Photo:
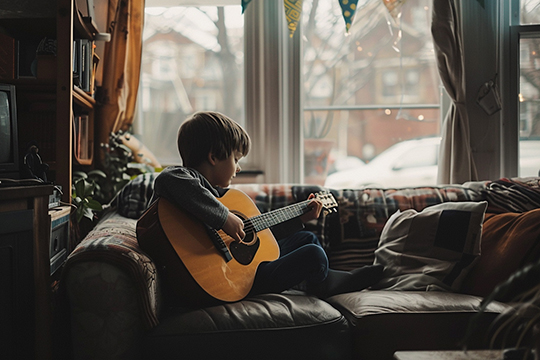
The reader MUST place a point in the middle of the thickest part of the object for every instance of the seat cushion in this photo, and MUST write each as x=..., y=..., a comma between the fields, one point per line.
x=383, y=322
x=269, y=326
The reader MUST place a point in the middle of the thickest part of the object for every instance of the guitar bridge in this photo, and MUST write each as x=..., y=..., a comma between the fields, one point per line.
x=219, y=244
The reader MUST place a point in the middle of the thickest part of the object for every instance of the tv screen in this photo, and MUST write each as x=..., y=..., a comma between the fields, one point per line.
x=9, y=159
x=6, y=153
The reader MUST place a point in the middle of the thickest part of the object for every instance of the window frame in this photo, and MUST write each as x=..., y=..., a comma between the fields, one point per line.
x=511, y=32
x=273, y=98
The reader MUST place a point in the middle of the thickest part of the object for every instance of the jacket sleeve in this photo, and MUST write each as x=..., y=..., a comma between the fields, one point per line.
x=187, y=191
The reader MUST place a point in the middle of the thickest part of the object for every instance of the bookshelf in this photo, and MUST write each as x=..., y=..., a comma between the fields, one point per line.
x=50, y=102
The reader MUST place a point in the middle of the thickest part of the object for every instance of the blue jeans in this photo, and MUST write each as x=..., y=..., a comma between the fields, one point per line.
x=301, y=259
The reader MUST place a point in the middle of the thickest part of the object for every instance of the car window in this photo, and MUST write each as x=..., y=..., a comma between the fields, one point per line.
x=419, y=156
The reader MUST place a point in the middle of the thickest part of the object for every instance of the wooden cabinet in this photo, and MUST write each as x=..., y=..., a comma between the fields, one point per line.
x=25, y=300
x=48, y=102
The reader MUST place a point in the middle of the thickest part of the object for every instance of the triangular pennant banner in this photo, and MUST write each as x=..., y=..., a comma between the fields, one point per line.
x=348, y=8
x=293, y=11
x=394, y=7
x=245, y=4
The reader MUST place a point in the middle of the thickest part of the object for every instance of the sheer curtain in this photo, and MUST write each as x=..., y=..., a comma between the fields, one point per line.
x=456, y=163
x=121, y=67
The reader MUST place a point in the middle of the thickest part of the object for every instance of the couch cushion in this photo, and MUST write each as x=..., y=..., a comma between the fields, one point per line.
x=509, y=241
x=432, y=249
x=269, y=326
x=383, y=322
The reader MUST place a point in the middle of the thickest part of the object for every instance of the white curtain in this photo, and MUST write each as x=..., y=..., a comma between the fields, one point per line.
x=456, y=163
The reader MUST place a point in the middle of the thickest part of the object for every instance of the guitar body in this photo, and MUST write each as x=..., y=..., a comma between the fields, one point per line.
x=195, y=270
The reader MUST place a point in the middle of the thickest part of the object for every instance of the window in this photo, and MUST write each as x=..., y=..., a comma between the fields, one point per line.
x=193, y=60
x=347, y=97
x=418, y=157
x=370, y=89
x=526, y=44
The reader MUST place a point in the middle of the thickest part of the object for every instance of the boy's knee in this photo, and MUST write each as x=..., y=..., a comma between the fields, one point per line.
x=307, y=238
x=316, y=255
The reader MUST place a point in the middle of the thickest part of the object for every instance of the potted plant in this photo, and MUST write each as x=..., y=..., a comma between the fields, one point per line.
x=518, y=328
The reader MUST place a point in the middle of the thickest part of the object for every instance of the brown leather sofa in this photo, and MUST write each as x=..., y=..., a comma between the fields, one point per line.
x=117, y=310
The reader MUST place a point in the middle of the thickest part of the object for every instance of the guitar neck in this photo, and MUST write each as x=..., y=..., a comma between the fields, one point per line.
x=278, y=216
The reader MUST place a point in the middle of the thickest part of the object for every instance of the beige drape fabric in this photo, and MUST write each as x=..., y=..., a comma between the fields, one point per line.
x=121, y=67
x=456, y=164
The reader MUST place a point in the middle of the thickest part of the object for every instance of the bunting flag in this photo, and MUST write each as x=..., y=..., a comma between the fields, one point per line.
x=348, y=8
x=245, y=4
x=394, y=7
x=293, y=10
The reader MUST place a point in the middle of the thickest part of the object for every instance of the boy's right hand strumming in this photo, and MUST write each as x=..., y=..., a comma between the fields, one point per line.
x=234, y=227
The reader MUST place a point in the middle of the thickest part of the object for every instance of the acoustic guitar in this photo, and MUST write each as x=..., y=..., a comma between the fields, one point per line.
x=203, y=266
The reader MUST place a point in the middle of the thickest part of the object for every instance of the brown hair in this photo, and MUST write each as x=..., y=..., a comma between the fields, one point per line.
x=208, y=132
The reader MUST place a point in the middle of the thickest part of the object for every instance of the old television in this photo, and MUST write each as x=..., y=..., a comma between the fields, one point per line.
x=9, y=151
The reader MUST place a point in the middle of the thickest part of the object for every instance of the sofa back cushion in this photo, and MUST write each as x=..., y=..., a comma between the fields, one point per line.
x=135, y=197
x=354, y=235
x=351, y=236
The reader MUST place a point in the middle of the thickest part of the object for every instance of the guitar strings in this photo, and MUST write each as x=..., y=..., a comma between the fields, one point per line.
x=251, y=223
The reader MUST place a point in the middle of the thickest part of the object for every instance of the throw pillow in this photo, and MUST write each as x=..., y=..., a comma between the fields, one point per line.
x=509, y=242
x=135, y=197
x=432, y=249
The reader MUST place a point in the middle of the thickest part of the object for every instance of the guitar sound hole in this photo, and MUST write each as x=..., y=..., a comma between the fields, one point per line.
x=245, y=251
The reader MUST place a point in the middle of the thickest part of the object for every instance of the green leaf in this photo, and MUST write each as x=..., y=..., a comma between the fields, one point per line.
x=97, y=173
x=89, y=214
x=80, y=213
x=95, y=205
x=79, y=175
x=79, y=188
x=89, y=188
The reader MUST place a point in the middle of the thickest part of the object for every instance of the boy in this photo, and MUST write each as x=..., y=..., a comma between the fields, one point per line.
x=211, y=145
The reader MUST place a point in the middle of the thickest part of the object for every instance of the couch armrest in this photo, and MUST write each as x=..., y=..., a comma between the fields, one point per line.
x=112, y=290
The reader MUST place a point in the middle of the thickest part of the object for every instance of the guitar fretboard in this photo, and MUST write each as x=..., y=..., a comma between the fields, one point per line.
x=274, y=217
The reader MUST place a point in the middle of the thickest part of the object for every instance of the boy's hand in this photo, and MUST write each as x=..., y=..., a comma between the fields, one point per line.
x=234, y=227
x=316, y=206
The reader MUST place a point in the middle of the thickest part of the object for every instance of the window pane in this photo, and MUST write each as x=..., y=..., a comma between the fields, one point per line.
x=364, y=92
x=529, y=107
x=192, y=61
x=529, y=12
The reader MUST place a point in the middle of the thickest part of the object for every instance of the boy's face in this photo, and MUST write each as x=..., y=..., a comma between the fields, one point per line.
x=225, y=170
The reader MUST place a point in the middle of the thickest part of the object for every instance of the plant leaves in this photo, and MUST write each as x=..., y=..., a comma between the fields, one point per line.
x=523, y=283
x=97, y=173
x=94, y=205
x=80, y=213
x=80, y=187
x=89, y=188
x=89, y=214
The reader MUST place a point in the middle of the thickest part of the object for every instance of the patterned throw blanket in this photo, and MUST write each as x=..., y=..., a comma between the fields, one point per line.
x=513, y=195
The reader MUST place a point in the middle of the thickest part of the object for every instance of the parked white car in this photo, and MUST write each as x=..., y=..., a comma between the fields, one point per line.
x=414, y=163
x=529, y=155
x=408, y=163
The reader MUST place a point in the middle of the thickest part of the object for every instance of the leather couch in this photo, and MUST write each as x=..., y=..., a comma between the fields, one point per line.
x=116, y=308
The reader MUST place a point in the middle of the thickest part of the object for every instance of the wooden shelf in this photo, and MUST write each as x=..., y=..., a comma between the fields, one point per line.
x=83, y=29
x=82, y=98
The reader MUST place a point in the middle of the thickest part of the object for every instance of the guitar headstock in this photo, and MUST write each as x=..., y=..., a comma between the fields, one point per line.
x=328, y=201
